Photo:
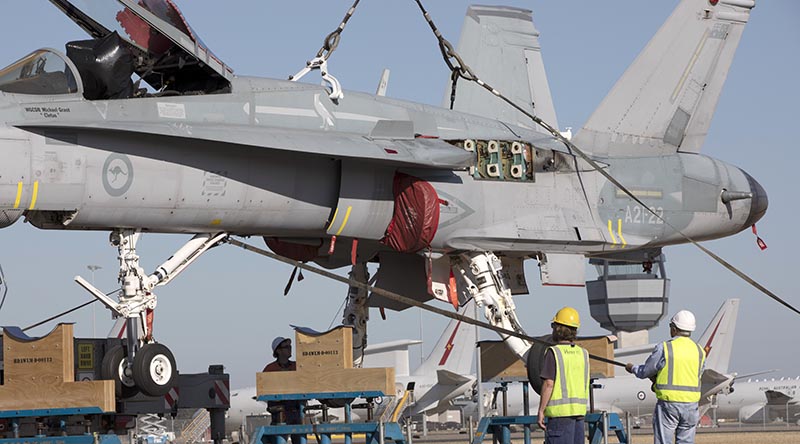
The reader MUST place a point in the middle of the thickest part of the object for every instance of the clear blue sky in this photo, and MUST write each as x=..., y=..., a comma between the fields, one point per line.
x=228, y=306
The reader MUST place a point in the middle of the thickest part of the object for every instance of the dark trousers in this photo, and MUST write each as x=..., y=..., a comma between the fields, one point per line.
x=564, y=430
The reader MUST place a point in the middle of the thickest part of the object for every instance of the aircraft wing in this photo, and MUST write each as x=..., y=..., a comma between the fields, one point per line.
x=419, y=152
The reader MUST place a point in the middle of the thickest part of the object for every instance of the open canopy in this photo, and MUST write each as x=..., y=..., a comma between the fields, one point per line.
x=169, y=53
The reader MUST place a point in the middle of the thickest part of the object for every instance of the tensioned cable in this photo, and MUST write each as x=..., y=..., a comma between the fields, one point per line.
x=397, y=297
x=464, y=71
x=64, y=313
x=332, y=40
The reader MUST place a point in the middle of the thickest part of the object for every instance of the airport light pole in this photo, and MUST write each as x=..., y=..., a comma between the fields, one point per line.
x=93, y=268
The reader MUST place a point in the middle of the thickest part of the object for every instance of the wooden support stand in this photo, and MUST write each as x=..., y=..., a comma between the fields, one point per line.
x=325, y=364
x=39, y=373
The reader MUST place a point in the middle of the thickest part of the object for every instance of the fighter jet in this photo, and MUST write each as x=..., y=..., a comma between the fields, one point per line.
x=141, y=128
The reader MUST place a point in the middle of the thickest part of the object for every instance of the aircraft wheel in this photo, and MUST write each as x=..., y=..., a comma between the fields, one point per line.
x=535, y=360
x=113, y=368
x=154, y=369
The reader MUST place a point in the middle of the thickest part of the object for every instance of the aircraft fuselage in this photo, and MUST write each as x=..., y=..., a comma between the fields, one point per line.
x=189, y=164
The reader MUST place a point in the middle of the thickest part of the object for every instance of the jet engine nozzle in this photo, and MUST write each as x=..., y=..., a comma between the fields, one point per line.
x=9, y=216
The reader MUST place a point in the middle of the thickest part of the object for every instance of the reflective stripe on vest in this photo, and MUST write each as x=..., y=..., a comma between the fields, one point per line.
x=571, y=386
x=679, y=380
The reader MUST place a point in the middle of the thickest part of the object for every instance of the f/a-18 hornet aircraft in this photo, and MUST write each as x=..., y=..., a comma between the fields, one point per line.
x=141, y=128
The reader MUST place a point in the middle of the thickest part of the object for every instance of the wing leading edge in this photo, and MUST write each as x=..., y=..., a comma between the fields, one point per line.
x=419, y=153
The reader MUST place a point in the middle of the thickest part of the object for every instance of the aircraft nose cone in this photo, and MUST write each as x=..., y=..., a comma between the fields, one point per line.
x=759, y=202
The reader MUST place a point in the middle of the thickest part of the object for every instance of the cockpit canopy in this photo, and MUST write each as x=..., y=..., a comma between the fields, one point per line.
x=165, y=51
x=42, y=72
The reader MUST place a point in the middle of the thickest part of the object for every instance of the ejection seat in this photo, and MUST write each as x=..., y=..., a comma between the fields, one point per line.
x=105, y=66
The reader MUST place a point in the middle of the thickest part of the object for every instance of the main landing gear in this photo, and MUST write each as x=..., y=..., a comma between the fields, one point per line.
x=482, y=273
x=142, y=364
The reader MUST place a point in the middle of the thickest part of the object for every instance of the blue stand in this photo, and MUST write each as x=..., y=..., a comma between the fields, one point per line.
x=280, y=433
x=42, y=439
x=500, y=428
x=595, y=421
x=76, y=439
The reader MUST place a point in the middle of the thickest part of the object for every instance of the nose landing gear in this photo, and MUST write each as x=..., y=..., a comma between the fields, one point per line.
x=143, y=364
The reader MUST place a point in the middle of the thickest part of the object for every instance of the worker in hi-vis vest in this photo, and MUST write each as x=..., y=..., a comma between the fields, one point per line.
x=677, y=366
x=565, y=382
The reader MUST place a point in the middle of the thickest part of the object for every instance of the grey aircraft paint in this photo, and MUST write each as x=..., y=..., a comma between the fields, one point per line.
x=213, y=152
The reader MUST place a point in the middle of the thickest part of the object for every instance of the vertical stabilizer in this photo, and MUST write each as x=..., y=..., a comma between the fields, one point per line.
x=455, y=348
x=718, y=336
x=501, y=45
x=665, y=100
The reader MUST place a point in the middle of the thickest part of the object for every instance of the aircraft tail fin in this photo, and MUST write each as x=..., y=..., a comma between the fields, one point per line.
x=665, y=100
x=718, y=336
x=455, y=348
x=501, y=45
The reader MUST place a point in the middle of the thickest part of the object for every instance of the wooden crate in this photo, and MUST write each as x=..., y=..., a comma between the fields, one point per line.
x=321, y=380
x=330, y=350
x=40, y=374
x=499, y=364
x=325, y=365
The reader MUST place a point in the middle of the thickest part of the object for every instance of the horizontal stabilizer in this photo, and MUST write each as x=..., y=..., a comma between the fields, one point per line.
x=775, y=397
x=711, y=376
x=446, y=377
x=402, y=344
x=420, y=153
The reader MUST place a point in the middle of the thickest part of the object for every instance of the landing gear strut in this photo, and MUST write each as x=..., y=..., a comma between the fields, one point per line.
x=356, y=312
x=482, y=274
x=142, y=364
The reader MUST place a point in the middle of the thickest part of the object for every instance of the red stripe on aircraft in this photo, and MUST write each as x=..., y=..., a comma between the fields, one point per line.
x=707, y=348
x=449, y=347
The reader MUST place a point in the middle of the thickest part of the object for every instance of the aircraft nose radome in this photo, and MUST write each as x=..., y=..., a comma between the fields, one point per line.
x=759, y=202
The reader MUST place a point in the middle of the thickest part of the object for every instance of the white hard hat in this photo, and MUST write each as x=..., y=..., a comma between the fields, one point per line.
x=684, y=320
x=277, y=342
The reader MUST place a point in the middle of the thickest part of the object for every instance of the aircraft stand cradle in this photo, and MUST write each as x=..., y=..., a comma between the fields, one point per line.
x=325, y=372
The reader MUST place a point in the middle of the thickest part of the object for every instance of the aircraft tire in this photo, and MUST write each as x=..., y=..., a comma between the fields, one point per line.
x=154, y=369
x=534, y=364
x=112, y=368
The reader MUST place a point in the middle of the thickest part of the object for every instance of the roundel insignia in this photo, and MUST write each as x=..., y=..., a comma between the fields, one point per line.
x=641, y=395
x=117, y=174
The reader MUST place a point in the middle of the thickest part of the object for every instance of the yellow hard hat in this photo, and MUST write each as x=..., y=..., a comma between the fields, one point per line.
x=568, y=316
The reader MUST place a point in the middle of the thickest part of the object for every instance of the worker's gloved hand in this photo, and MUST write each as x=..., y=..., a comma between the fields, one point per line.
x=629, y=367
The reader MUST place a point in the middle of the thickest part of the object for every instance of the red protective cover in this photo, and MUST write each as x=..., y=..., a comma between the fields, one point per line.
x=416, y=215
x=298, y=252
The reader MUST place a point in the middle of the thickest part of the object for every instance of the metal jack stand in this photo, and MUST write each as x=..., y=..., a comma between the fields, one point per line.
x=603, y=422
x=600, y=424
x=500, y=426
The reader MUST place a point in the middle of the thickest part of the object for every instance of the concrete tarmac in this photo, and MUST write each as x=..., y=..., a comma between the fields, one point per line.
x=734, y=434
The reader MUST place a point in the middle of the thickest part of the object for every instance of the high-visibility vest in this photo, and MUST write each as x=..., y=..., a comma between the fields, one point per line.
x=679, y=380
x=571, y=386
